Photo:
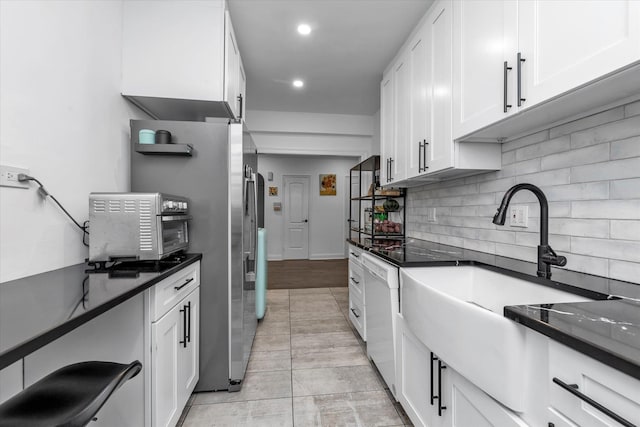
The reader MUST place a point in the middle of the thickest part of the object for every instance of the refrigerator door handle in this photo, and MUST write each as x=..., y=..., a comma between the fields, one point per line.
x=250, y=255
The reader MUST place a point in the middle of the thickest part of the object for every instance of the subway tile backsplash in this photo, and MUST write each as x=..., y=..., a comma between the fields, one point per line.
x=590, y=171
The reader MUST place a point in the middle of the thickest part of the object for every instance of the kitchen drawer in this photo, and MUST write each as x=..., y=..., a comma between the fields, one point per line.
x=609, y=387
x=357, y=314
x=173, y=289
x=356, y=279
x=355, y=254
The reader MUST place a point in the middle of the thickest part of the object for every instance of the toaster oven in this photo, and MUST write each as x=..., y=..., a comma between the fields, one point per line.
x=137, y=226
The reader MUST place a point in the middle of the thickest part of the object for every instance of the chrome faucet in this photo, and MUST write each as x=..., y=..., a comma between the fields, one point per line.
x=546, y=256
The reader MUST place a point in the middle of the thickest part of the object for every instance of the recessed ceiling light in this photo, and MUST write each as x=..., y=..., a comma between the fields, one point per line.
x=304, y=29
x=298, y=83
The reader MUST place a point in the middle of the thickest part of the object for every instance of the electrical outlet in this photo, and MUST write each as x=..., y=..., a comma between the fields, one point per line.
x=519, y=216
x=9, y=177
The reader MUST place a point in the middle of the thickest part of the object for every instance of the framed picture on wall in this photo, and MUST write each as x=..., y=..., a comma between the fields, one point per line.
x=328, y=184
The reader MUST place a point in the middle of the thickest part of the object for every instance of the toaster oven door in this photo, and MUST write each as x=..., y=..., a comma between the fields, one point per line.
x=174, y=233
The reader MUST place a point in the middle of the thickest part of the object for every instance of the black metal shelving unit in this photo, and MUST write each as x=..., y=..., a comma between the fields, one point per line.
x=367, y=203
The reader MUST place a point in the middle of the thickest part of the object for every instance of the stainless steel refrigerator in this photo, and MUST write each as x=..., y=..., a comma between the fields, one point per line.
x=218, y=176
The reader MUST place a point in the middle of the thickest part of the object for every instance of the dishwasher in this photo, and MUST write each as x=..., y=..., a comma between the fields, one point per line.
x=383, y=301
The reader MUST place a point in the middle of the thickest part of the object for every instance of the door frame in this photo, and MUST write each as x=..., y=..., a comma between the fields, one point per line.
x=284, y=217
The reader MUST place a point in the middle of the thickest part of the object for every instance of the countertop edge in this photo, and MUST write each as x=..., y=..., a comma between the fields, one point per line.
x=27, y=347
x=598, y=353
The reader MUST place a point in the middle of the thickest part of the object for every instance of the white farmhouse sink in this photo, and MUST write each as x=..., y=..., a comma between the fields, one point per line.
x=457, y=312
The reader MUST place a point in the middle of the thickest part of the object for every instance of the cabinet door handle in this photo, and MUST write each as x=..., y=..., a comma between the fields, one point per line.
x=390, y=168
x=184, y=326
x=432, y=359
x=573, y=389
x=189, y=324
x=441, y=407
x=520, y=60
x=506, y=70
x=177, y=288
x=241, y=101
x=420, y=157
x=424, y=156
x=354, y=280
x=353, y=310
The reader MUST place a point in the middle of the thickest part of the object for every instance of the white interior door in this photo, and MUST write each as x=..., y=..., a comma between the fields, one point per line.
x=296, y=217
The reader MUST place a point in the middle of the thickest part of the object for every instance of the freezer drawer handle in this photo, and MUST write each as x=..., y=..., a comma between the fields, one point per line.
x=573, y=389
x=177, y=288
x=353, y=310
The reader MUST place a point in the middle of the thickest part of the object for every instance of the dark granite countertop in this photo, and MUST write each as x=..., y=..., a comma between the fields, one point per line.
x=607, y=329
x=38, y=309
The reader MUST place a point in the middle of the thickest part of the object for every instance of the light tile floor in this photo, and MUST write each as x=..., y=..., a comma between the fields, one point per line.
x=308, y=367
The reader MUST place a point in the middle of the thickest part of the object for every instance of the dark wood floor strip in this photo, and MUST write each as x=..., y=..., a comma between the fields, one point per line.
x=302, y=274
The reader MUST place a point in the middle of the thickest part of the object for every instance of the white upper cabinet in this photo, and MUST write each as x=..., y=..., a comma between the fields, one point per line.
x=416, y=134
x=565, y=57
x=387, y=143
x=485, y=38
x=180, y=59
x=440, y=151
x=567, y=43
x=420, y=97
x=401, y=96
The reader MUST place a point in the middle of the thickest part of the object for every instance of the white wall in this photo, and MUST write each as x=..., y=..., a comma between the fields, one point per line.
x=589, y=170
x=276, y=132
x=62, y=117
x=326, y=213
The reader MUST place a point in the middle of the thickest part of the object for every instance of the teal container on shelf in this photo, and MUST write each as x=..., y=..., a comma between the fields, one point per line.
x=261, y=273
x=147, y=136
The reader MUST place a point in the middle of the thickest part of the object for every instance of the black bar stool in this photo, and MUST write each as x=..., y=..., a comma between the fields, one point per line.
x=69, y=397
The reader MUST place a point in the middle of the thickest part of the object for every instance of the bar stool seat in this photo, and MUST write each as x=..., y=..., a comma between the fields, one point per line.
x=69, y=397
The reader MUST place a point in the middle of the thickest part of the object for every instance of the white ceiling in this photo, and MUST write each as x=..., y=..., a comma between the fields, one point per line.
x=341, y=61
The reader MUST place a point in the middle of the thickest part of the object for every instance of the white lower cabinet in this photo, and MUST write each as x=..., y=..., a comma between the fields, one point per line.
x=434, y=395
x=174, y=332
x=574, y=379
x=174, y=339
x=356, y=291
x=417, y=379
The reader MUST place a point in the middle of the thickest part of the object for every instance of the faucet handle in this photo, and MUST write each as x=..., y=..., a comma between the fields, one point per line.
x=550, y=257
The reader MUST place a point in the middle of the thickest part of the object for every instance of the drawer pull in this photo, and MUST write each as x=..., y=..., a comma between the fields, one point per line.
x=354, y=280
x=177, y=288
x=353, y=310
x=573, y=389
x=355, y=254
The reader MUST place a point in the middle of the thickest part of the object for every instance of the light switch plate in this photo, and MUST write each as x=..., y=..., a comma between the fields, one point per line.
x=9, y=177
x=519, y=216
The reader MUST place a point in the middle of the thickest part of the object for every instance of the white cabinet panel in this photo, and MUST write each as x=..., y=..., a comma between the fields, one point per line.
x=175, y=364
x=485, y=36
x=609, y=387
x=439, y=25
x=166, y=336
x=180, y=59
x=189, y=356
x=401, y=104
x=421, y=104
x=568, y=43
x=387, y=127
